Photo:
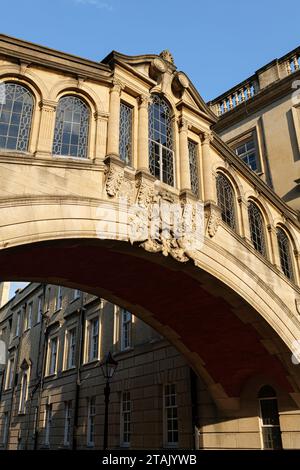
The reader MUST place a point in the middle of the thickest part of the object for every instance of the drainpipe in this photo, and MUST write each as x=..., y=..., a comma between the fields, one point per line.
x=43, y=354
x=194, y=409
x=79, y=347
x=15, y=381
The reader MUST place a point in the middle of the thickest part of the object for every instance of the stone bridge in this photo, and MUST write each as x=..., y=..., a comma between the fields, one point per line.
x=230, y=304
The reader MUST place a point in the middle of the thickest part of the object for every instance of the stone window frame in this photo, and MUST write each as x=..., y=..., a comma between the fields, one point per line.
x=69, y=328
x=166, y=442
x=240, y=139
x=48, y=361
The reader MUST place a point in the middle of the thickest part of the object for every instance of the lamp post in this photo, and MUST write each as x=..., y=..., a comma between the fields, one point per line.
x=108, y=367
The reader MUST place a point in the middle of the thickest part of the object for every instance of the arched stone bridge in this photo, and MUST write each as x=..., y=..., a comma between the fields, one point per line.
x=231, y=310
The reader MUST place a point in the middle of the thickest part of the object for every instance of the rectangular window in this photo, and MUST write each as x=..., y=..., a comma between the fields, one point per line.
x=126, y=327
x=10, y=373
x=53, y=345
x=91, y=421
x=193, y=159
x=93, y=333
x=59, y=298
x=24, y=393
x=71, y=348
x=40, y=309
x=28, y=317
x=18, y=324
x=76, y=294
x=68, y=423
x=170, y=416
x=125, y=419
x=125, y=141
x=248, y=153
x=48, y=424
x=5, y=428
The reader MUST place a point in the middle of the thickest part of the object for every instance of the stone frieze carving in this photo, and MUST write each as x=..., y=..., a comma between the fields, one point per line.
x=114, y=178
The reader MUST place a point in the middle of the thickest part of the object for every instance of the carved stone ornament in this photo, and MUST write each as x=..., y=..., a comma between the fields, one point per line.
x=167, y=56
x=167, y=246
x=158, y=65
x=213, y=224
x=114, y=178
x=297, y=304
x=214, y=219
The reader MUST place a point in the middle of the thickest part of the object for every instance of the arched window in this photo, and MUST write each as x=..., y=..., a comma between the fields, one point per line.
x=284, y=253
x=226, y=200
x=71, y=128
x=161, y=154
x=256, y=228
x=15, y=117
x=270, y=426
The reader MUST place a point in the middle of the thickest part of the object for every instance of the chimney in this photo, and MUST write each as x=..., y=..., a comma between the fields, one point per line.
x=4, y=293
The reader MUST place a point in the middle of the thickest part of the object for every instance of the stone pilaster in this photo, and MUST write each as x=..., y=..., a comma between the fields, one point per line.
x=101, y=133
x=243, y=210
x=143, y=134
x=46, y=129
x=114, y=119
x=275, y=258
x=209, y=184
x=185, y=177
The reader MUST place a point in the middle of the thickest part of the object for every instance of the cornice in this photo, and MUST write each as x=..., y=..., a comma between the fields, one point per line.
x=267, y=192
x=34, y=54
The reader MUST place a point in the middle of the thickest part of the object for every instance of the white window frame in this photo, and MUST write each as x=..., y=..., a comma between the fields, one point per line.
x=76, y=294
x=125, y=329
x=10, y=373
x=28, y=316
x=125, y=418
x=68, y=344
x=24, y=392
x=167, y=443
x=91, y=418
x=89, y=336
x=68, y=423
x=18, y=323
x=40, y=309
x=49, y=361
x=262, y=426
x=47, y=423
x=59, y=298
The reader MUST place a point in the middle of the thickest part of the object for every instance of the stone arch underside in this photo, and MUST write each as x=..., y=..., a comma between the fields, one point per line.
x=176, y=299
x=229, y=324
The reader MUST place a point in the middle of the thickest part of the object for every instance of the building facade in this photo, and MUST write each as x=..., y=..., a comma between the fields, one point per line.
x=52, y=387
x=260, y=120
x=77, y=137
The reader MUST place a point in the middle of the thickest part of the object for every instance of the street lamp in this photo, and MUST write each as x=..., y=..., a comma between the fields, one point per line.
x=108, y=367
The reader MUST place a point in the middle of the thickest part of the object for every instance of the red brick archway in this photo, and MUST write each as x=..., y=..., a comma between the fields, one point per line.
x=175, y=299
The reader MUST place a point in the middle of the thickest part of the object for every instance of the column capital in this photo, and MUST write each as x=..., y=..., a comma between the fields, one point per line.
x=48, y=105
x=117, y=86
x=143, y=101
x=101, y=116
x=206, y=138
x=183, y=124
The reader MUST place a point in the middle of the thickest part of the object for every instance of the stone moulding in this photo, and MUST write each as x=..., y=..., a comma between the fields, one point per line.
x=213, y=215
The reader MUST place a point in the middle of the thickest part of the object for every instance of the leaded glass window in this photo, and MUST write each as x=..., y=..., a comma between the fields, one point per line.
x=125, y=143
x=161, y=154
x=15, y=117
x=193, y=151
x=284, y=253
x=225, y=197
x=256, y=228
x=71, y=128
x=270, y=426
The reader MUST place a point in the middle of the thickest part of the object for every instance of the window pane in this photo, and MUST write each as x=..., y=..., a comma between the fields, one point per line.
x=71, y=127
x=225, y=200
x=15, y=117
x=125, y=145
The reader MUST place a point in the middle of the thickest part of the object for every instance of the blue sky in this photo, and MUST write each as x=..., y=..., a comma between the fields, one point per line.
x=217, y=43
